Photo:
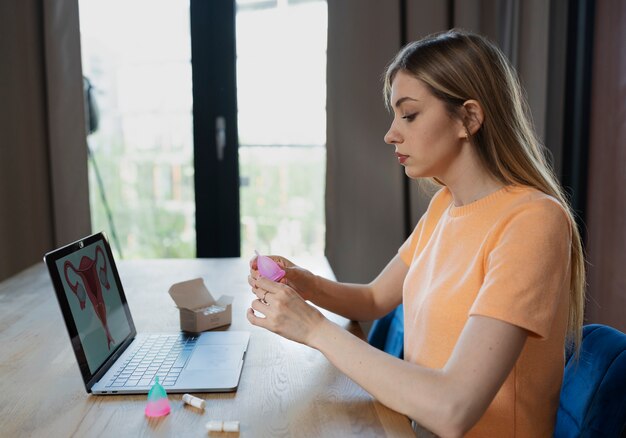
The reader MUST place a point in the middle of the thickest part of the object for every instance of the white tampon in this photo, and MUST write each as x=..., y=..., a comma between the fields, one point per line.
x=194, y=401
x=230, y=426
x=214, y=426
x=222, y=426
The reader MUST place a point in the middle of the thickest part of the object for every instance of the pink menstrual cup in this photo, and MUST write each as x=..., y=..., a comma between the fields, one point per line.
x=158, y=404
x=268, y=268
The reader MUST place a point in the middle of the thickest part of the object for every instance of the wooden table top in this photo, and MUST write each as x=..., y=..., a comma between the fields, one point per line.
x=286, y=389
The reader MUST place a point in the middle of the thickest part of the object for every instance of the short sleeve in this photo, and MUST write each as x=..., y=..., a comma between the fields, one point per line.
x=407, y=250
x=527, y=268
x=421, y=233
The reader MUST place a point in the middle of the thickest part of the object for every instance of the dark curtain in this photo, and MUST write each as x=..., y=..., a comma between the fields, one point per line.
x=44, y=197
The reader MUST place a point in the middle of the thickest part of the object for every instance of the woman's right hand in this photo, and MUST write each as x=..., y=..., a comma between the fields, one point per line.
x=299, y=279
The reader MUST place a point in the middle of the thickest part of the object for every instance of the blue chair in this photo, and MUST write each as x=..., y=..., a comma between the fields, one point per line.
x=387, y=333
x=593, y=395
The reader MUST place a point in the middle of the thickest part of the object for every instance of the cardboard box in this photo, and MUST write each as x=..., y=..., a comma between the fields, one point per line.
x=199, y=311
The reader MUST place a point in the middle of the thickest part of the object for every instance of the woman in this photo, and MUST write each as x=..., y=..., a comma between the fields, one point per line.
x=492, y=276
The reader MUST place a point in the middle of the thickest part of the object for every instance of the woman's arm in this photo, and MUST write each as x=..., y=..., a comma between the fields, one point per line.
x=363, y=302
x=448, y=401
x=358, y=302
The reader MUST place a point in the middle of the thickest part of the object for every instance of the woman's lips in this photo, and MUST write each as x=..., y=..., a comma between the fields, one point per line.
x=401, y=158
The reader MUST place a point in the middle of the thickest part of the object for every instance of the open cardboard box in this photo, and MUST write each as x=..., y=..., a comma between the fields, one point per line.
x=199, y=311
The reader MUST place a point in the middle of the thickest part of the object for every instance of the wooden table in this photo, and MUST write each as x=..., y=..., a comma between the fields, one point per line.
x=286, y=389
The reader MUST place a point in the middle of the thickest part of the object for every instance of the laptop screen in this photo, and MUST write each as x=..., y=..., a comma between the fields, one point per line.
x=92, y=301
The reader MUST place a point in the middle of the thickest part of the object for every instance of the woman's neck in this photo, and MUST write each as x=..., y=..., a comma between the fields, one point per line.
x=468, y=180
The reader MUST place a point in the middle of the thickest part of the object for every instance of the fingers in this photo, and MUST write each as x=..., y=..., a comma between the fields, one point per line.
x=269, y=285
x=268, y=292
x=286, y=314
x=284, y=263
x=260, y=292
x=256, y=320
x=252, y=282
x=260, y=307
x=261, y=284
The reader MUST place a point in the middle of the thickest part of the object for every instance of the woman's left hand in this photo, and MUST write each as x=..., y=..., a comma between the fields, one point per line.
x=286, y=313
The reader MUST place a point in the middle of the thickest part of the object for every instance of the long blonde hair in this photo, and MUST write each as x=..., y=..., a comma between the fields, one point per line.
x=457, y=66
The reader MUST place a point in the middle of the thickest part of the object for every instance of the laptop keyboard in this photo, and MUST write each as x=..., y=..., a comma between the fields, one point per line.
x=157, y=355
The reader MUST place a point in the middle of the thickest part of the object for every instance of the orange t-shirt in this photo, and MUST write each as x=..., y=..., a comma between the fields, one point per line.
x=505, y=256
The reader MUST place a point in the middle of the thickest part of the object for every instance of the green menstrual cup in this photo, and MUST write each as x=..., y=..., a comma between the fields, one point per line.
x=158, y=404
x=268, y=268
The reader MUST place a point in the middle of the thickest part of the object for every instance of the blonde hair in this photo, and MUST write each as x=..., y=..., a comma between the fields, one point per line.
x=457, y=66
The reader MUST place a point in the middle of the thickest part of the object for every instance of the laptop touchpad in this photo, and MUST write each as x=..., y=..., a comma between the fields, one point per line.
x=214, y=357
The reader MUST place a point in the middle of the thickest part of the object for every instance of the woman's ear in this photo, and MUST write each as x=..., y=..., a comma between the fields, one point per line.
x=474, y=116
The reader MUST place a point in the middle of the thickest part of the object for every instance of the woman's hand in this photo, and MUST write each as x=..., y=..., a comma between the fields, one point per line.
x=286, y=312
x=299, y=279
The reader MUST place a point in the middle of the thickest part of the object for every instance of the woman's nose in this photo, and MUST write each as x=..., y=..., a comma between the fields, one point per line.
x=392, y=137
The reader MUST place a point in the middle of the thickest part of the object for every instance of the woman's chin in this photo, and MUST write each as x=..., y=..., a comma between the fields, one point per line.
x=416, y=173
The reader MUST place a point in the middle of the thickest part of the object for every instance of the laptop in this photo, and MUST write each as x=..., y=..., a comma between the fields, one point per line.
x=113, y=358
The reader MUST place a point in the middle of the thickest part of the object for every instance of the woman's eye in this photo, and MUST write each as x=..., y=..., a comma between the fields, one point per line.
x=409, y=117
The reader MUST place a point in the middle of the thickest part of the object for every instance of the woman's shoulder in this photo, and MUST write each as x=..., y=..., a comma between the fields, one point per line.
x=524, y=197
x=441, y=199
x=439, y=202
x=508, y=203
x=528, y=204
x=508, y=198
